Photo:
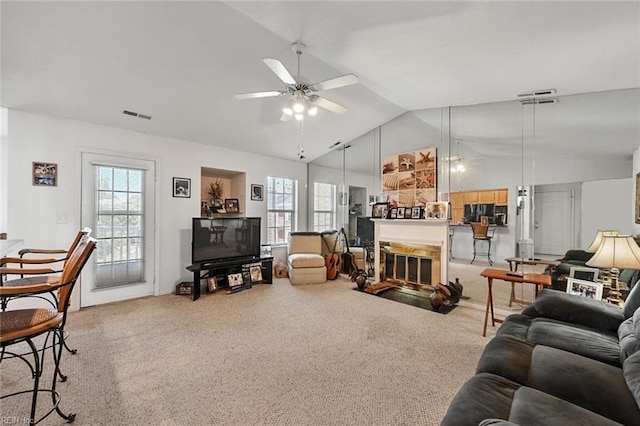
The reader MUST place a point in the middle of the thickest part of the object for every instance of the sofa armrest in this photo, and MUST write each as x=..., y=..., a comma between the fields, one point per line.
x=578, y=310
x=496, y=422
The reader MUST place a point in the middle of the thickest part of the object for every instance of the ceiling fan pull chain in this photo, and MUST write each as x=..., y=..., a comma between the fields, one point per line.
x=301, y=154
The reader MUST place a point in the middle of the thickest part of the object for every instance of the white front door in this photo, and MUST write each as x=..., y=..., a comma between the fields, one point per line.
x=553, y=213
x=118, y=199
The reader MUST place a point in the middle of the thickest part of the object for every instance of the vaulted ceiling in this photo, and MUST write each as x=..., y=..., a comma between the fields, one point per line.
x=181, y=62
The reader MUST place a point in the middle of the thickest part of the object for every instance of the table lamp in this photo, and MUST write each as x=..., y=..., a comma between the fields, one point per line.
x=595, y=245
x=615, y=252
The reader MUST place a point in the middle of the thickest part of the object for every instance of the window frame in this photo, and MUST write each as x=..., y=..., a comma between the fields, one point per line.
x=334, y=206
x=271, y=197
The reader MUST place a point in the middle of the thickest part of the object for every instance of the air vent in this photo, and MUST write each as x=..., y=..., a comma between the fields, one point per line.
x=136, y=114
x=335, y=144
x=547, y=96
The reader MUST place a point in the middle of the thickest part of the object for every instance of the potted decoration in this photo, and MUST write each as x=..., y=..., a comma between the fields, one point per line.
x=216, y=190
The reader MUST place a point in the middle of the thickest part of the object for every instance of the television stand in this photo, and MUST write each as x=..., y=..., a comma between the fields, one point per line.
x=219, y=267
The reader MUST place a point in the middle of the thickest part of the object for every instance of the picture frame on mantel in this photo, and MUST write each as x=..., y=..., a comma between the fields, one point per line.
x=232, y=205
x=380, y=210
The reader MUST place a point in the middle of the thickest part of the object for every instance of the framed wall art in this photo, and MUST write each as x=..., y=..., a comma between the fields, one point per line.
x=181, y=187
x=256, y=192
x=44, y=174
x=638, y=198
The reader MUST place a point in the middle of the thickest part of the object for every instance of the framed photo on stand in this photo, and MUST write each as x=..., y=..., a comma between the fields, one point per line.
x=436, y=210
x=583, y=288
x=400, y=214
x=416, y=212
x=232, y=205
x=379, y=210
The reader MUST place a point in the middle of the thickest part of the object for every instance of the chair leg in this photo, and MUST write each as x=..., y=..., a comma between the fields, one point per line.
x=489, y=253
x=474, y=251
x=55, y=397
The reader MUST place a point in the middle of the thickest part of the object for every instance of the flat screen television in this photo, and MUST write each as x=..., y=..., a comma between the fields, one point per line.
x=221, y=239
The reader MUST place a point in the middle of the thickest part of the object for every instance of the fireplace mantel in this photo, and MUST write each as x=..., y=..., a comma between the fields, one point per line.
x=414, y=231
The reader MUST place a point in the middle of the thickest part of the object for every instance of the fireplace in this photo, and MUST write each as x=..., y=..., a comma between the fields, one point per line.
x=409, y=264
x=412, y=253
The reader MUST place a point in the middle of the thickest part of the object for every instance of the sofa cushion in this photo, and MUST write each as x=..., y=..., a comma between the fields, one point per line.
x=632, y=302
x=305, y=260
x=579, y=310
x=482, y=397
x=629, y=336
x=532, y=407
x=631, y=370
x=585, y=382
x=490, y=397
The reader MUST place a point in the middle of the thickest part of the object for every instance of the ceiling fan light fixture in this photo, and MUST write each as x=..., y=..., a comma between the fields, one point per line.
x=298, y=106
x=299, y=116
x=312, y=110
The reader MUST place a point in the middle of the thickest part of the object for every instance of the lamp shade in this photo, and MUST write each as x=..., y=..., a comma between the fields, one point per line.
x=596, y=243
x=617, y=251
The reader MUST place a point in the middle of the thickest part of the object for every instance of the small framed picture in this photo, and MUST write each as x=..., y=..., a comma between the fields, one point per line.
x=416, y=212
x=265, y=251
x=256, y=192
x=393, y=213
x=182, y=187
x=584, y=288
x=436, y=210
x=235, y=279
x=44, y=174
x=212, y=284
x=256, y=274
x=380, y=210
x=400, y=214
x=231, y=205
x=584, y=273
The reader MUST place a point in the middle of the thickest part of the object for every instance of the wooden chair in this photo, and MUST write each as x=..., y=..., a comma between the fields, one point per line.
x=482, y=233
x=44, y=274
x=21, y=326
x=37, y=266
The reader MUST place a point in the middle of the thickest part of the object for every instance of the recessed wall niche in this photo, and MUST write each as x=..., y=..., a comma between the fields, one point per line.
x=234, y=184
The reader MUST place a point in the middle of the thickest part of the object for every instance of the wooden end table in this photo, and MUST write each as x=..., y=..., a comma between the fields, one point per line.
x=539, y=280
x=513, y=266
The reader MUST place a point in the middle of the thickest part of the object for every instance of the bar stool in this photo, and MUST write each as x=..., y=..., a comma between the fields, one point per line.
x=482, y=233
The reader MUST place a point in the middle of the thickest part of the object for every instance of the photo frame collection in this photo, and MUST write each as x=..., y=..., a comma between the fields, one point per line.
x=432, y=211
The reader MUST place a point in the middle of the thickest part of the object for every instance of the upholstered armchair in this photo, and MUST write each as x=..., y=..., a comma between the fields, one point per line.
x=305, y=260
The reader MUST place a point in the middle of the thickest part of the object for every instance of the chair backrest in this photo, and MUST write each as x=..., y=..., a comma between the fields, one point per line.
x=72, y=269
x=479, y=230
x=76, y=241
x=305, y=242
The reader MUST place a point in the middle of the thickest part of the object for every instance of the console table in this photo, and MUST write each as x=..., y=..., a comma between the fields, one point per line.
x=227, y=267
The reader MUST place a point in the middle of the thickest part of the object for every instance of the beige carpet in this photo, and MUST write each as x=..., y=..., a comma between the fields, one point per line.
x=272, y=355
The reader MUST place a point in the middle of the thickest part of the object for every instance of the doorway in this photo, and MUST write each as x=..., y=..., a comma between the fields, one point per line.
x=118, y=204
x=554, y=220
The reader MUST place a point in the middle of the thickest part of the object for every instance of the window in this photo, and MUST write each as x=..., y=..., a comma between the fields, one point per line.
x=324, y=206
x=281, y=213
x=120, y=226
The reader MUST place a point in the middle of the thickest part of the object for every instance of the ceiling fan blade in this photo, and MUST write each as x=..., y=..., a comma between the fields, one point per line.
x=286, y=117
x=327, y=104
x=279, y=69
x=259, y=94
x=333, y=83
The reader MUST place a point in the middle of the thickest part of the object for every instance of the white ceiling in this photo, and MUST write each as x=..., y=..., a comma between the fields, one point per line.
x=182, y=62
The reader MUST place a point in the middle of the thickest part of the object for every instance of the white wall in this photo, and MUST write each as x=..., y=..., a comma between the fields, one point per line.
x=31, y=213
x=636, y=170
x=606, y=204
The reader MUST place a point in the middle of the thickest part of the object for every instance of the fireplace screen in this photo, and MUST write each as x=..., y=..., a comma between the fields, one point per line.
x=410, y=263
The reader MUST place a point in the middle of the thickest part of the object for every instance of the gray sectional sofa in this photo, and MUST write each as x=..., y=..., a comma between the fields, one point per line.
x=564, y=360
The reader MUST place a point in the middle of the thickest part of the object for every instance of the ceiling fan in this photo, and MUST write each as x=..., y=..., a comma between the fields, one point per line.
x=303, y=95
